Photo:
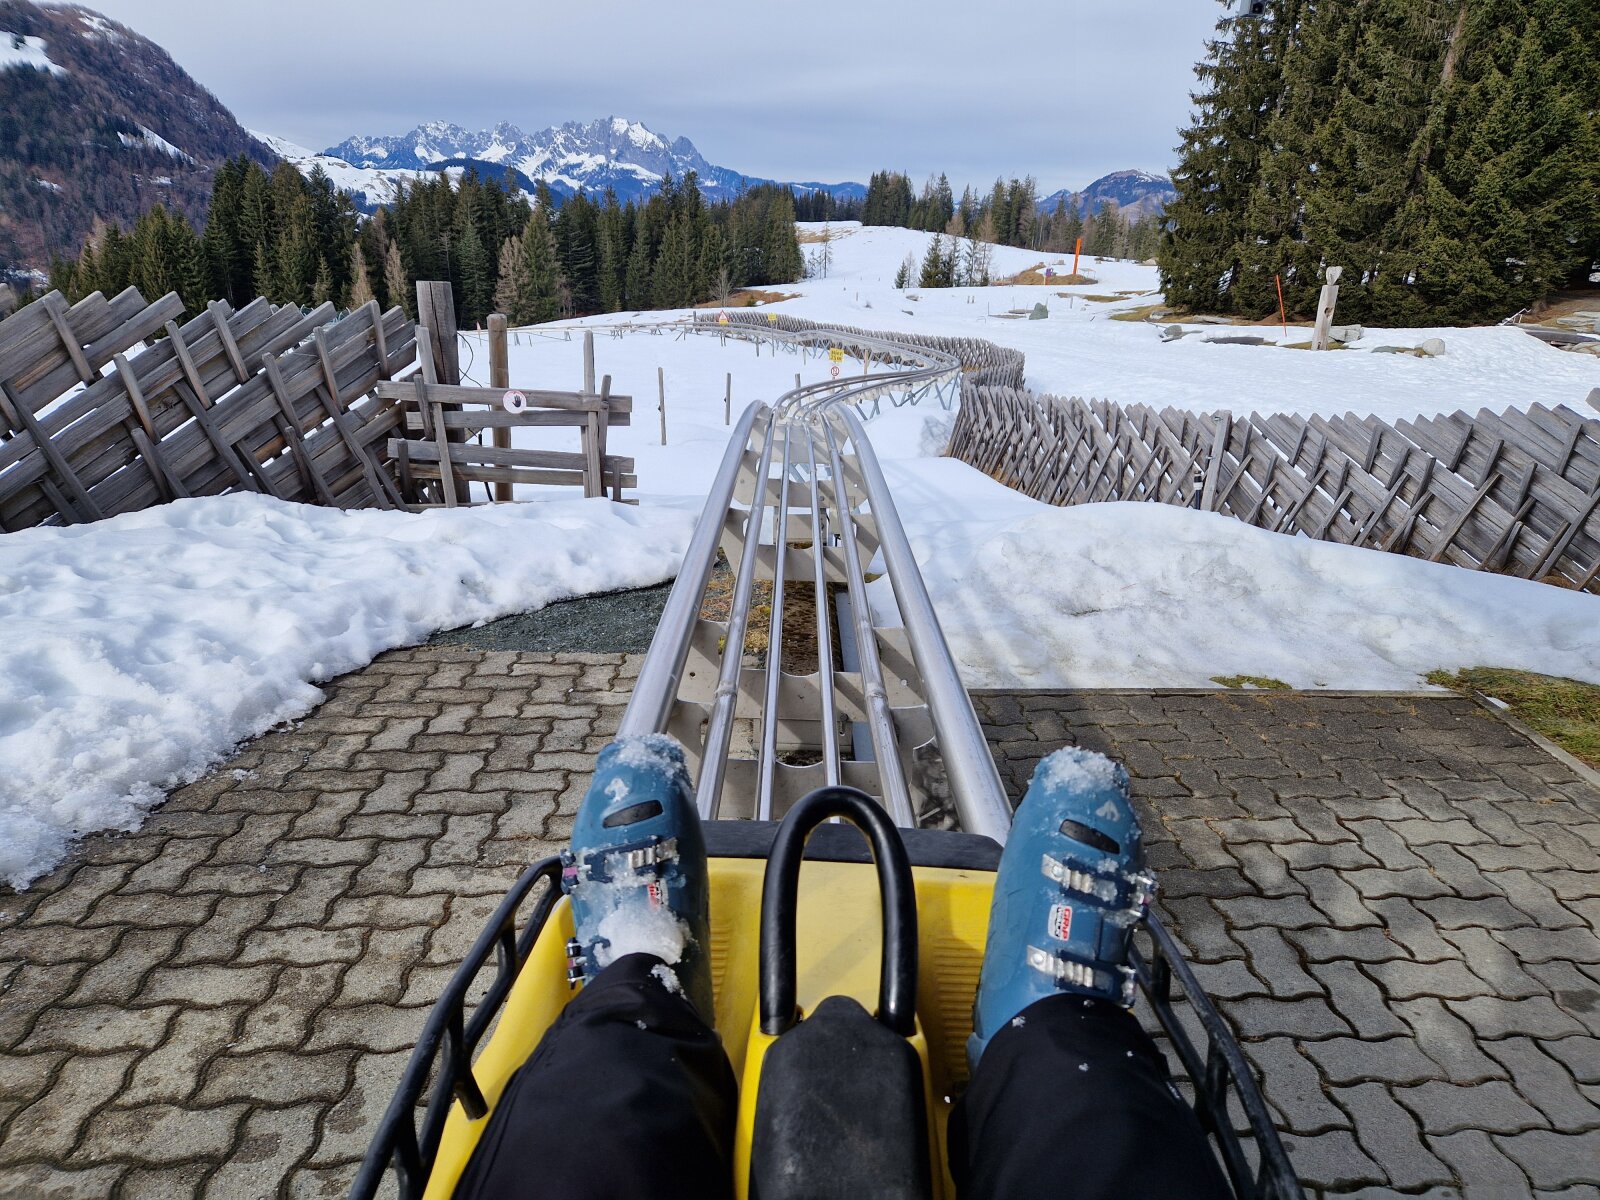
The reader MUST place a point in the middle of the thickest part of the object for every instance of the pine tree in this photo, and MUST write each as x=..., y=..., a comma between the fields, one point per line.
x=903, y=277
x=545, y=283
x=322, y=285
x=477, y=276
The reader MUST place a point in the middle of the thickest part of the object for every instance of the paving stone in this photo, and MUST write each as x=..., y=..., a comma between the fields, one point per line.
x=1580, y=1055
x=162, y=1133
x=1358, y=1000
x=46, y=1181
x=1402, y=980
x=1200, y=927
x=1493, y=1017
x=1259, y=1017
x=1452, y=912
x=1494, y=964
x=1460, y=874
x=1333, y=1161
x=1341, y=902
x=208, y=986
x=97, y=1029
x=367, y=1027
x=1579, y=945
x=1359, y=1060
x=49, y=1127
x=171, y=1073
x=1414, y=930
x=1576, y=993
x=1293, y=1087
x=1282, y=913
x=1388, y=1133
x=1341, y=855
x=1383, y=844
x=1358, y=945
x=1485, y=1173
x=300, y=946
x=1448, y=1040
x=1450, y=1108
x=271, y=1143
x=1546, y=1084
x=1227, y=980
x=1276, y=963
x=1265, y=869
x=347, y=1127
x=1555, y=1160
x=282, y=1020
x=276, y=1077
x=1413, y=883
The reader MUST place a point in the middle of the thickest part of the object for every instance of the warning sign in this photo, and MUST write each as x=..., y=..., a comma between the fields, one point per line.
x=772, y=318
x=834, y=371
x=722, y=318
x=836, y=355
x=514, y=402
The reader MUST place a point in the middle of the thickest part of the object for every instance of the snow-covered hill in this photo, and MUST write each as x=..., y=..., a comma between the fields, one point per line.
x=611, y=152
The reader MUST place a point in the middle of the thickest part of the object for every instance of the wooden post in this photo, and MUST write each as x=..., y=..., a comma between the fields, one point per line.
x=661, y=384
x=1325, y=307
x=1283, y=312
x=500, y=377
x=594, y=430
x=727, y=401
x=1077, y=253
x=436, y=309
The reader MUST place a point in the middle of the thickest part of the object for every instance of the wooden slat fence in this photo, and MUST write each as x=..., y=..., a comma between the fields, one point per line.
x=94, y=422
x=1512, y=492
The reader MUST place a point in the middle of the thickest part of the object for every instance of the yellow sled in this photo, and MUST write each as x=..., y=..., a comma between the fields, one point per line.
x=900, y=931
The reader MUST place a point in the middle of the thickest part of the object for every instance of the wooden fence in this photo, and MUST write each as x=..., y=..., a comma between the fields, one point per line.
x=266, y=399
x=1513, y=492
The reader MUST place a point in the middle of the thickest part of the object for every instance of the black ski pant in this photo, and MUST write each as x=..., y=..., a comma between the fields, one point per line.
x=629, y=1094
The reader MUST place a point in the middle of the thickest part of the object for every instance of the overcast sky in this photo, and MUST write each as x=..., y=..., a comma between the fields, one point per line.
x=1061, y=89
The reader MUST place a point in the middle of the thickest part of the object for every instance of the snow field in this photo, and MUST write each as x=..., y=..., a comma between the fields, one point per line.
x=141, y=649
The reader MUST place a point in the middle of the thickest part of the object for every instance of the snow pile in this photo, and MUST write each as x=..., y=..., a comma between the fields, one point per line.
x=1083, y=772
x=140, y=649
x=149, y=139
x=19, y=51
x=1148, y=595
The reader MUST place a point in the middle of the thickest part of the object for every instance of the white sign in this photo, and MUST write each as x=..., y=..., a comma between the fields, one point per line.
x=834, y=371
x=514, y=402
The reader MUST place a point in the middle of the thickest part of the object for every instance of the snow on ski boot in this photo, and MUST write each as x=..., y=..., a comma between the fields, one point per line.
x=636, y=871
x=1072, y=884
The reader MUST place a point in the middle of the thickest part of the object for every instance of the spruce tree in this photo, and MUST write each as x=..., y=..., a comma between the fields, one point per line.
x=396, y=282
x=545, y=284
x=513, y=294
x=360, y=284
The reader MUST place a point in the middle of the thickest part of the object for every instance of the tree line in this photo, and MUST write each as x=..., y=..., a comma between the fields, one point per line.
x=1445, y=153
x=297, y=239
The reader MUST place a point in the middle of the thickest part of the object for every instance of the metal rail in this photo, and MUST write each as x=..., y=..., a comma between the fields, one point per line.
x=760, y=734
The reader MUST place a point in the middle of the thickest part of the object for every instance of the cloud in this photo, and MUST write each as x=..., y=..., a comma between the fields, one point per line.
x=1064, y=91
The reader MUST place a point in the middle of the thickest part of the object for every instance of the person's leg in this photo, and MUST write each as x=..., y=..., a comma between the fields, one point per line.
x=1072, y=1101
x=629, y=1093
x=1070, y=1098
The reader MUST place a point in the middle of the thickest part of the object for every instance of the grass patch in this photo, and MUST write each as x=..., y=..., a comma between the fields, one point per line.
x=1035, y=277
x=1261, y=683
x=812, y=237
x=1563, y=710
x=1095, y=298
x=1143, y=313
x=750, y=298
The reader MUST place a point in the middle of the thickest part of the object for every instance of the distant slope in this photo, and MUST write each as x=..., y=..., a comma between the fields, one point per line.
x=1136, y=193
x=612, y=152
x=97, y=122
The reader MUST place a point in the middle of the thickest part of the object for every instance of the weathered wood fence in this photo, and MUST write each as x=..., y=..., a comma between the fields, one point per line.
x=266, y=399
x=1513, y=492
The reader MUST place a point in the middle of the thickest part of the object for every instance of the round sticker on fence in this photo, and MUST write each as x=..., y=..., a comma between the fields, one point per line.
x=514, y=402
x=834, y=371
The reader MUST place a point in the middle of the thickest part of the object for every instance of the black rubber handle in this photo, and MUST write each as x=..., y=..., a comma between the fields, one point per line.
x=897, y=979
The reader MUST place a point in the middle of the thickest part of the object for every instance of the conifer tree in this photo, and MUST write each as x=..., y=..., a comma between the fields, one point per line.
x=513, y=294
x=396, y=282
x=545, y=283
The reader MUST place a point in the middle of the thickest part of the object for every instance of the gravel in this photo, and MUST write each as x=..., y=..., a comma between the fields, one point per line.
x=611, y=623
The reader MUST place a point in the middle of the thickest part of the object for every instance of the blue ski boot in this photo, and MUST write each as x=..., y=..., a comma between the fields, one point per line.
x=636, y=872
x=1071, y=888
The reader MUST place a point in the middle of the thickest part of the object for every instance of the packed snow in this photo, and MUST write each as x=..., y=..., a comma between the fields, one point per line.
x=19, y=51
x=141, y=649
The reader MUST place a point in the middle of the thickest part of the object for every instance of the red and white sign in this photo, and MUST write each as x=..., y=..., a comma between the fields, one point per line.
x=514, y=402
x=834, y=372
x=1061, y=922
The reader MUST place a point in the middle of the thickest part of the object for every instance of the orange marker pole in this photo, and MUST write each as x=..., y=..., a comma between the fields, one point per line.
x=1283, y=312
x=1077, y=253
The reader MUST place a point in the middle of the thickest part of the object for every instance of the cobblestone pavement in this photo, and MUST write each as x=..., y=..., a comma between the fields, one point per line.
x=1394, y=900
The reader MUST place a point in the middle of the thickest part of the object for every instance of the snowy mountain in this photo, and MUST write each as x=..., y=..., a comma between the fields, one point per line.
x=613, y=152
x=99, y=124
x=1136, y=193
